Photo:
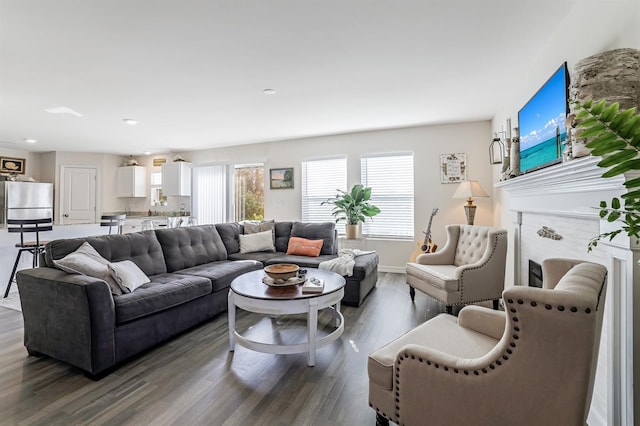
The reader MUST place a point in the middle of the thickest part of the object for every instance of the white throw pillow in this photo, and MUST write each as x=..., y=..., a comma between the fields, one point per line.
x=260, y=241
x=127, y=274
x=87, y=261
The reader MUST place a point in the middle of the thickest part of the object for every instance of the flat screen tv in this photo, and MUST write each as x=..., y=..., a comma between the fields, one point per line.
x=542, y=123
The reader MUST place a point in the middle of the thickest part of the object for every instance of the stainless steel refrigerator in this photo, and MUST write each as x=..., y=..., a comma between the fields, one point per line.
x=25, y=200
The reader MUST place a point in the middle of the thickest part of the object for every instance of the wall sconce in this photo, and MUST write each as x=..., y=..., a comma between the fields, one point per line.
x=496, y=149
x=468, y=190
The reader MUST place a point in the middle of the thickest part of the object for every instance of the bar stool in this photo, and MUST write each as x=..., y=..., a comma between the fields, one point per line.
x=113, y=220
x=36, y=247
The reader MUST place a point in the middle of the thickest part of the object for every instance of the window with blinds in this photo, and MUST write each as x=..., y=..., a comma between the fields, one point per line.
x=320, y=180
x=391, y=180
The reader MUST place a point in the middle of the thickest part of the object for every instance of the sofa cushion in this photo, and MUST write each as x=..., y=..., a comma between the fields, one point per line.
x=142, y=248
x=283, y=233
x=442, y=334
x=229, y=233
x=304, y=247
x=191, y=246
x=262, y=256
x=364, y=266
x=164, y=291
x=127, y=274
x=443, y=277
x=259, y=241
x=221, y=273
x=314, y=231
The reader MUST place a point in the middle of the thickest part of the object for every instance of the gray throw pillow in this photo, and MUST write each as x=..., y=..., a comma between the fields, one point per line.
x=87, y=261
x=255, y=226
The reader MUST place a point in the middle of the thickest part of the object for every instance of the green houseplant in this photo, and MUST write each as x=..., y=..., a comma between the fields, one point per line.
x=615, y=136
x=353, y=207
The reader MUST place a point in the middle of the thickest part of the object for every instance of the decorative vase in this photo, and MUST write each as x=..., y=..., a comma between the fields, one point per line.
x=353, y=231
x=515, y=153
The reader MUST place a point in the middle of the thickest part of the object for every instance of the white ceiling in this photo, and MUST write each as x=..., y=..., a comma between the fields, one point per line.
x=192, y=72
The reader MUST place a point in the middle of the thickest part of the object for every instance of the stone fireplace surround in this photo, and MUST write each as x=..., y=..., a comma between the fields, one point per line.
x=564, y=199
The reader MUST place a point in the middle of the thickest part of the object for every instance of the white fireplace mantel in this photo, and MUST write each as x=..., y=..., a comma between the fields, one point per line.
x=547, y=190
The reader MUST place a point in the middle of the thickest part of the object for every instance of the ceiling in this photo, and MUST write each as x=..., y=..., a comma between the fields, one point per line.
x=192, y=72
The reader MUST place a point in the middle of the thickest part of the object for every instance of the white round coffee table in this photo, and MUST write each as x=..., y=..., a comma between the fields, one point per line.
x=249, y=293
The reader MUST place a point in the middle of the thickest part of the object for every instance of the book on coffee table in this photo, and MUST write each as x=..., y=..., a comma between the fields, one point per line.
x=313, y=285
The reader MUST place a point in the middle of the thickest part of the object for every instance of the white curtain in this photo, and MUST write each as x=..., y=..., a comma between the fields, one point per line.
x=210, y=194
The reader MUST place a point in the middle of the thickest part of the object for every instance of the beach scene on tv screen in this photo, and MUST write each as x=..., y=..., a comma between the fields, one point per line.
x=541, y=121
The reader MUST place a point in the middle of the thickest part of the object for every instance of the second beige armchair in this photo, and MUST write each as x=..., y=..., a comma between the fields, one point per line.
x=469, y=268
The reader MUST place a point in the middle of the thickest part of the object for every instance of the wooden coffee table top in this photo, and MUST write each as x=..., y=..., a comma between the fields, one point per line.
x=251, y=285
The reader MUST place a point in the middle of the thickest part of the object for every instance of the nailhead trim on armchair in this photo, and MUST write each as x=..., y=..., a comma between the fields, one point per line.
x=484, y=370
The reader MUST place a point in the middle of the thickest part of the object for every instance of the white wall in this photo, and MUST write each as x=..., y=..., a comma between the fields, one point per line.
x=426, y=142
x=592, y=27
x=32, y=161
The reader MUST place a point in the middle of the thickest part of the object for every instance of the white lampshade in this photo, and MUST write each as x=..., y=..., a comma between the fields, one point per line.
x=470, y=189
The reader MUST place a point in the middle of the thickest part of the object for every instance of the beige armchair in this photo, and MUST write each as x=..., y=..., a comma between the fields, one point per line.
x=532, y=365
x=470, y=268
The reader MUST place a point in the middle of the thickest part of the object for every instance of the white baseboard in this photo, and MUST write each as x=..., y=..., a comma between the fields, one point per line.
x=394, y=269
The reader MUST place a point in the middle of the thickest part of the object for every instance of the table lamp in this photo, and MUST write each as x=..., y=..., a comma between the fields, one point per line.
x=470, y=189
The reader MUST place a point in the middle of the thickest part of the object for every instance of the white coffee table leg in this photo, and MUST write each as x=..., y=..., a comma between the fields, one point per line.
x=312, y=327
x=337, y=309
x=232, y=322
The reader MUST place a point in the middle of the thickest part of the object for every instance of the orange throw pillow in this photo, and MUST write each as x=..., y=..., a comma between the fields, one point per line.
x=303, y=247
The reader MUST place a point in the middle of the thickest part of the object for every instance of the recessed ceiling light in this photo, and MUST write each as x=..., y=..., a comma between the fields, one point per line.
x=130, y=121
x=29, y=140
x=63, y=110
x=147, y=153
x=269, y=91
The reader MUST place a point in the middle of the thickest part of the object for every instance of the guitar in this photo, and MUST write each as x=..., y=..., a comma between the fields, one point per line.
x=427, y=245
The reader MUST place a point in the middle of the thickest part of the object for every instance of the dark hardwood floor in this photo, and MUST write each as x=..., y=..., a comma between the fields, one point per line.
x=194, y=380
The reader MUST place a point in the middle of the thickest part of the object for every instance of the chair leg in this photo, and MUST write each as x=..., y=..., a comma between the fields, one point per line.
x=412, y=293
x=495, y=304
x=13, y=273
x=449, y=309
x=381, y=421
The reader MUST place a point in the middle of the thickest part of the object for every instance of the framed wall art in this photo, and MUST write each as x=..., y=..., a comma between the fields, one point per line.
x=281, y=178
x=12, y=165
x=453, y=168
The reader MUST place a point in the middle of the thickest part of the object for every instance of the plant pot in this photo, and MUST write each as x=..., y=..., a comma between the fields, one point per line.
x=353, y=231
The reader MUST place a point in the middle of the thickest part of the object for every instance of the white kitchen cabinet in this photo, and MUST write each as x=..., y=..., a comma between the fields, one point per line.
x=176, y=179
x=132, y=181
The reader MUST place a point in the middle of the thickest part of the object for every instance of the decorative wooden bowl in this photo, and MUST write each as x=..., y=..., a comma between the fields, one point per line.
x=281, y=271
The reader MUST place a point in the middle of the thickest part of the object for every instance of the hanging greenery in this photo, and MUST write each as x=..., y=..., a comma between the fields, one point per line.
x=614, y=135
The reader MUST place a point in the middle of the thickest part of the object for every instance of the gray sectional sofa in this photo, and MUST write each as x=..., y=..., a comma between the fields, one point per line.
x=76, y=318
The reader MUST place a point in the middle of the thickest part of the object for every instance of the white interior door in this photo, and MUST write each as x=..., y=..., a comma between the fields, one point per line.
x=78, y=195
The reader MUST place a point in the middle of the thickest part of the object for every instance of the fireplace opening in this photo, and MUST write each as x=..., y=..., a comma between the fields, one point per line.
x=535, y=274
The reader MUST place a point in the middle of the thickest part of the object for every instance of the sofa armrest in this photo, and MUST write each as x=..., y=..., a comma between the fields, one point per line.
x=68, y=317
x=483, y=320
x=446, y=254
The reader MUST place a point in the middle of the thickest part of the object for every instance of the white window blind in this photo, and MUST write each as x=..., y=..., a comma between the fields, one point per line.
x=320, y=180
x=391, y=180
x=210, y=194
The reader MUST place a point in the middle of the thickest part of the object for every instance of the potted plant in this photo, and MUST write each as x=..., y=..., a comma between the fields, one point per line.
x=353, y=206
x=615, y=136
